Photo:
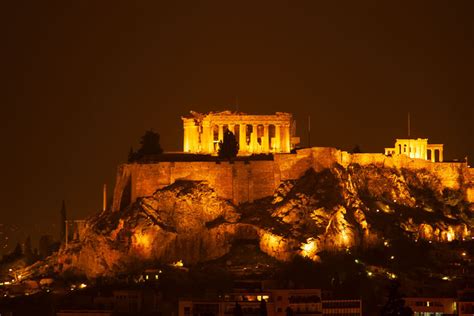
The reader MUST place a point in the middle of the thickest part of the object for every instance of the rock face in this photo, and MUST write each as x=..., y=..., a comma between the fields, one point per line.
x=332, y=209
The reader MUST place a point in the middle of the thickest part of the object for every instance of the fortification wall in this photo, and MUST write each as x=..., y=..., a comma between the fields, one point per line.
x=238, y=181
x=247, y=181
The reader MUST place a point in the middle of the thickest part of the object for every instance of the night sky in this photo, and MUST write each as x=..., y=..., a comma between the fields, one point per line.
x=82, y=81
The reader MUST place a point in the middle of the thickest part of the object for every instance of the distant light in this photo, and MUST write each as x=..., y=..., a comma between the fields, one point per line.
x=464, y=254
x=356, y=261
x=10, y=270
x=445, y=278
x=82, y=286
x=178, y=264
x=393, y=276
x=369, y=273
x=429, y=241
x=392, y=257
x=377, y=210
x=385, y=243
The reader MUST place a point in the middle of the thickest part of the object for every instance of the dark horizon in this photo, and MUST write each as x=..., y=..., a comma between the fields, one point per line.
x=83, y=81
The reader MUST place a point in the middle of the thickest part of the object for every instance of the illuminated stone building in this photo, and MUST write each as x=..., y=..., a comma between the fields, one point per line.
x=256, y=134
x=417, y=148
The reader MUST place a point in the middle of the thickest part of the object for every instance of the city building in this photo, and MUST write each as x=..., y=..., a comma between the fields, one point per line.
x=277, y=302
x=431, y=306
x=256, y=134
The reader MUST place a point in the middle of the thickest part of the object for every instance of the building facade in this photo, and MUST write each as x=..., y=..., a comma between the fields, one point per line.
x=278, y=302
x=417, y=148
x=256, y=134
x=432, y=306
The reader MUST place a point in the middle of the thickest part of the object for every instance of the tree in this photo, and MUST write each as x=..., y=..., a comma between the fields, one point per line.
x=356, y=150
x=132, y=156
x=150, y=145
x=228, y=147
x=395, y=304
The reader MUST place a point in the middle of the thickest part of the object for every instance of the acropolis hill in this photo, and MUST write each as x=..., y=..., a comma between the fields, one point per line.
x=195, y=207
x=248, y=180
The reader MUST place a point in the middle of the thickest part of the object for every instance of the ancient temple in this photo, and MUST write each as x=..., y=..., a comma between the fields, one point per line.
x=417, y=148
x=255, y=134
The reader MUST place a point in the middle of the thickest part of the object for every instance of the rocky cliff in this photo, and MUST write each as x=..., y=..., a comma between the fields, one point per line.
x=335, y=208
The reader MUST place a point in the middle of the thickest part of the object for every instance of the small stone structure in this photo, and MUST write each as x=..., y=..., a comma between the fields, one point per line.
x=416, y=148
x=256, y=134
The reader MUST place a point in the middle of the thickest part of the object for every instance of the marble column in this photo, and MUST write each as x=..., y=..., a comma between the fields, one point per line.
x=221, y=132
x=186, y=147
x=285, y=138
x=193, y=138
x=266, y=139
x=206, y=138
x=432, y=155
x=253, y=139
x=277, y=146
x=243, y=137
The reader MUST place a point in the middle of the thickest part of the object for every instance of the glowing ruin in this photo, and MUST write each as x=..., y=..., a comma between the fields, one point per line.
x=417, y=148
x=256, y=134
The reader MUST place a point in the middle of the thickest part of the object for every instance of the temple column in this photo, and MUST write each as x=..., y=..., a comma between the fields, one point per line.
x=243, y=137
x=221, y=132
x=253, y=139
x=232, y=128
x=277, y=138
x=206, y=138
x=285, y=138
x=266, y=139
x=186, y=148
x=441, y=155
x=193, y=138
x=432, y=155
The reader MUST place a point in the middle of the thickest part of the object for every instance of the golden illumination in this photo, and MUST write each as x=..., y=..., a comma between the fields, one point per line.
x=142, y=242
x=255, y=133
x=178, y=264
x=416, y=148
x=309, y=249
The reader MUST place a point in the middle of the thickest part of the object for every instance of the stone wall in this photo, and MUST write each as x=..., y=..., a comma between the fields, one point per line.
x=247, y=181
x=238, y=181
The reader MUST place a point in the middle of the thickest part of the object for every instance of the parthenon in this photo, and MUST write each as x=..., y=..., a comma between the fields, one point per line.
x=255, y=134
x=417, y=148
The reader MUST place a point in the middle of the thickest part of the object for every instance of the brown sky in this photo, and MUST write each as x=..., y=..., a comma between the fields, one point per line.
x=82, y=80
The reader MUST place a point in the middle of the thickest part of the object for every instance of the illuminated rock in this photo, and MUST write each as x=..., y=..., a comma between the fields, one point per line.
x=313, y=201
